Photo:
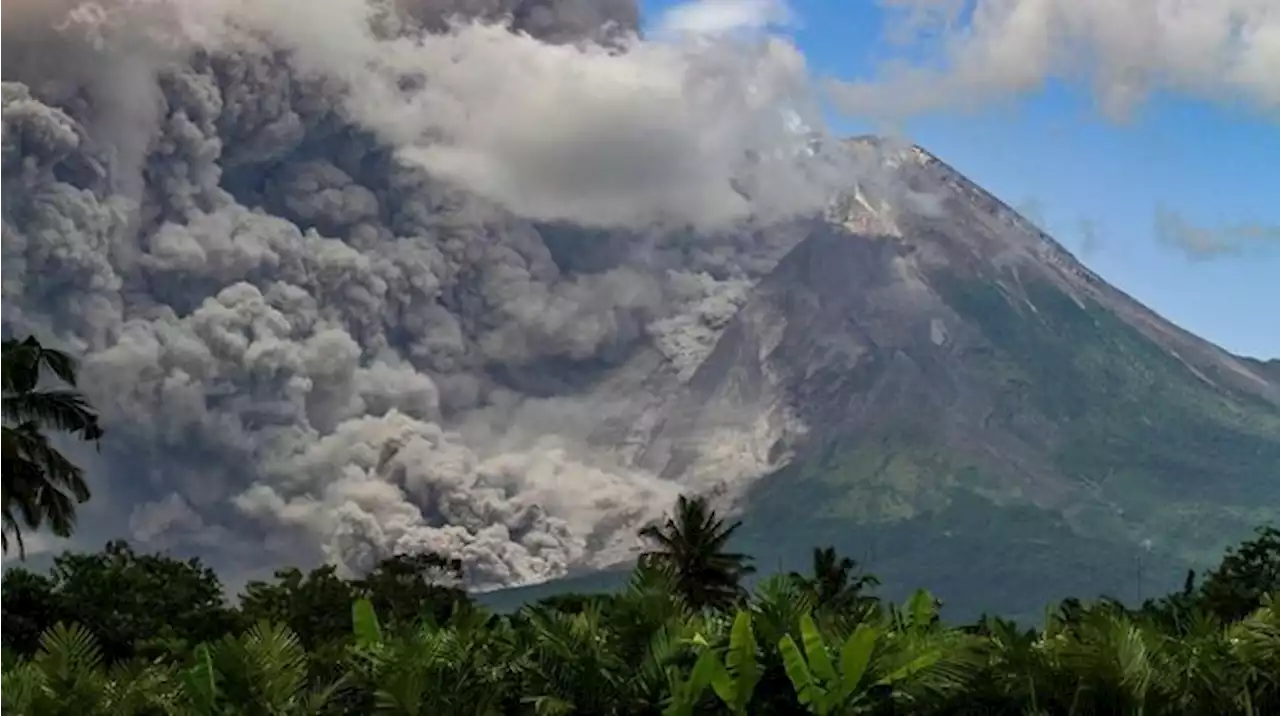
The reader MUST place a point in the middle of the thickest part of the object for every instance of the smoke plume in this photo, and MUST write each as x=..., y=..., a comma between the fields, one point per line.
x=343, y=287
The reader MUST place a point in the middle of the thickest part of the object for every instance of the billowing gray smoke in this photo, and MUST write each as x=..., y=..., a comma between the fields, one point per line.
x=346, y=274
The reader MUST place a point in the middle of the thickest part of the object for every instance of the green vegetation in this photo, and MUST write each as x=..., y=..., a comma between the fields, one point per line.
x=1178, y=458
x=120, y=633
x=1133, y=468
x=1010, y=559
x=691, y=548
x=1133, y=415
x=40, y=484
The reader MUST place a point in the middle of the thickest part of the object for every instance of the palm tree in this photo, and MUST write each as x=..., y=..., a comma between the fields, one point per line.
x=265, y=669
x=39, y=482
x=837, y=582
x=690, y=546
x=462, y=667
x=69, y=674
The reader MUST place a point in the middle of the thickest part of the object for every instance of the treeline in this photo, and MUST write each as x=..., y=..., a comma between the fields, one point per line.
x=119, y=633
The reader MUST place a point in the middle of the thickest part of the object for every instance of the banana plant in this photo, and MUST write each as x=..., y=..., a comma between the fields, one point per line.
x=735, y=679
x=687, y=691
x=821, y=686
x=364, y=622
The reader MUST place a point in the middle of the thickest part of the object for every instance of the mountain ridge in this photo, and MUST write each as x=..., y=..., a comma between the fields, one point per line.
x=928, y=347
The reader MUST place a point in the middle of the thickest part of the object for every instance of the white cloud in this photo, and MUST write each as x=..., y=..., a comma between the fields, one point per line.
x=987, y=50
x=711, y=17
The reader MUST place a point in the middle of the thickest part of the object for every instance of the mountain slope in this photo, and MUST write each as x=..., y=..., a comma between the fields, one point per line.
x=954, y=398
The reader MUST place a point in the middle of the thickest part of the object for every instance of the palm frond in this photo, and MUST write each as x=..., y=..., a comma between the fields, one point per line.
x=64, y=410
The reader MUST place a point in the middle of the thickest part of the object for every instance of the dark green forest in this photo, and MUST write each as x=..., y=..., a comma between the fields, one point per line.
x=119, y=633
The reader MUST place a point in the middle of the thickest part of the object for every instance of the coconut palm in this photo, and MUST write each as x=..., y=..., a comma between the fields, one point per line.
x=691, y=547
x=837, y=583
x=41, y=486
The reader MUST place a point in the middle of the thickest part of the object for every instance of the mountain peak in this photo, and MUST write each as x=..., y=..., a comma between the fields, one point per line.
x=955, y=225
x=928, y=355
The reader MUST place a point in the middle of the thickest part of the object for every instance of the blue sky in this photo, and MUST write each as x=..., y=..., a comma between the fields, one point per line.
x=1053, y=151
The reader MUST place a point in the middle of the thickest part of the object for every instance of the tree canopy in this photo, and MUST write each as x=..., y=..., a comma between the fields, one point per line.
x=691, y=547
x=117, y=632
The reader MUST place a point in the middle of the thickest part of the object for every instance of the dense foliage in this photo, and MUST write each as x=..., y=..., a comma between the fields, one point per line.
x=121, y=633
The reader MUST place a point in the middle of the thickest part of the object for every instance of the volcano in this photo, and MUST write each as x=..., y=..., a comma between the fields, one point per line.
x=946, y=394
x=315, y=333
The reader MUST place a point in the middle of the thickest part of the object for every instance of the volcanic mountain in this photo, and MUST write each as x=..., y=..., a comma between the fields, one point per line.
x=945, y=393
x=333, y=304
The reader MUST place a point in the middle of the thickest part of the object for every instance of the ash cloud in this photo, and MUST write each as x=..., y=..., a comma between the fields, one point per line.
x=338, y=285
x=624, y=134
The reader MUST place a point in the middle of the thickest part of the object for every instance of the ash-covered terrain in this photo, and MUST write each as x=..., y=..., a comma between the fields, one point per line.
x=502, y=284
